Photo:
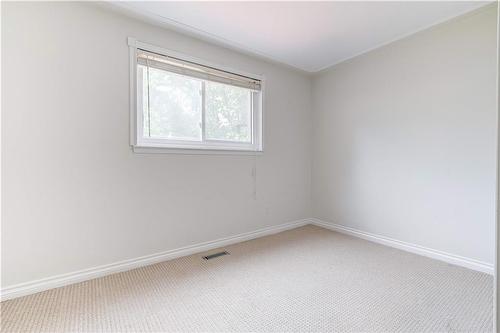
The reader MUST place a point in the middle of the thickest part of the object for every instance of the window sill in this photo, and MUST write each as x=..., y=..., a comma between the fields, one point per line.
x=193, y=151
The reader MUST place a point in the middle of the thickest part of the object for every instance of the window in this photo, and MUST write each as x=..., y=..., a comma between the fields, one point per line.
x=180, y=103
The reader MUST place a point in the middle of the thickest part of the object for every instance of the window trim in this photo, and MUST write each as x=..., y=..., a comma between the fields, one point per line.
x=147, y=145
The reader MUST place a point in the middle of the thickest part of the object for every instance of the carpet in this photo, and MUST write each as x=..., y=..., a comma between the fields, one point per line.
x=307, y=279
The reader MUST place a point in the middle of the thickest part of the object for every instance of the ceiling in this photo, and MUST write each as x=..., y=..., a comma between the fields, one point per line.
x=309, y=36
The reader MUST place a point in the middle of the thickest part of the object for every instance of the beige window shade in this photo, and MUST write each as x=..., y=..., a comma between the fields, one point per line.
x=192, y=69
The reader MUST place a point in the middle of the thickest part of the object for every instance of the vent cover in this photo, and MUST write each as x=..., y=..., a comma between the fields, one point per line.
x=215, y=255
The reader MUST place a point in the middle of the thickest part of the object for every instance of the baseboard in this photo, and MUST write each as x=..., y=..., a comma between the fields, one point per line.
x=413, y=248
x=36, y=286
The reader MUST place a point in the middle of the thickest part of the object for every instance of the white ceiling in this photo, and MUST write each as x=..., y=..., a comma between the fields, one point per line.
x=307, y=35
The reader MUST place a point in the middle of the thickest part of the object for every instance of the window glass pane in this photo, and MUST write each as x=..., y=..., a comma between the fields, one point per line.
x=142, y=86
x=174, y=105
x=228, y=114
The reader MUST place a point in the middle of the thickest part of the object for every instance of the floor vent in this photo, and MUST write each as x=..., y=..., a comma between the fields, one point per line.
x=215, y=255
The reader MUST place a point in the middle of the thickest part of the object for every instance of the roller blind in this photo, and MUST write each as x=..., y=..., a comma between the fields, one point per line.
x=192, y=69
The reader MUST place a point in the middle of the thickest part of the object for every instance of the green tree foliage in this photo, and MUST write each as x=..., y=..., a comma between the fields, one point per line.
x=175, y=108
x=228, y=112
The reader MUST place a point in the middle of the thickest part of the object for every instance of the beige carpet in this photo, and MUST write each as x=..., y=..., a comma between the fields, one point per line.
x=306, y=279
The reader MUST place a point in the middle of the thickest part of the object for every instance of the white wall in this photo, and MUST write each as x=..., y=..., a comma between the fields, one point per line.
x=404, y=139
x=76, y=196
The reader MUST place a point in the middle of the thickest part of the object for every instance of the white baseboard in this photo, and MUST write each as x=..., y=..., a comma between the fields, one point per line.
x=413, y=248
x=36, y=286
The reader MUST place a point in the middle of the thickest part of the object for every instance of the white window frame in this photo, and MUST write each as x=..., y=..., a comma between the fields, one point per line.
x=141, y=144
